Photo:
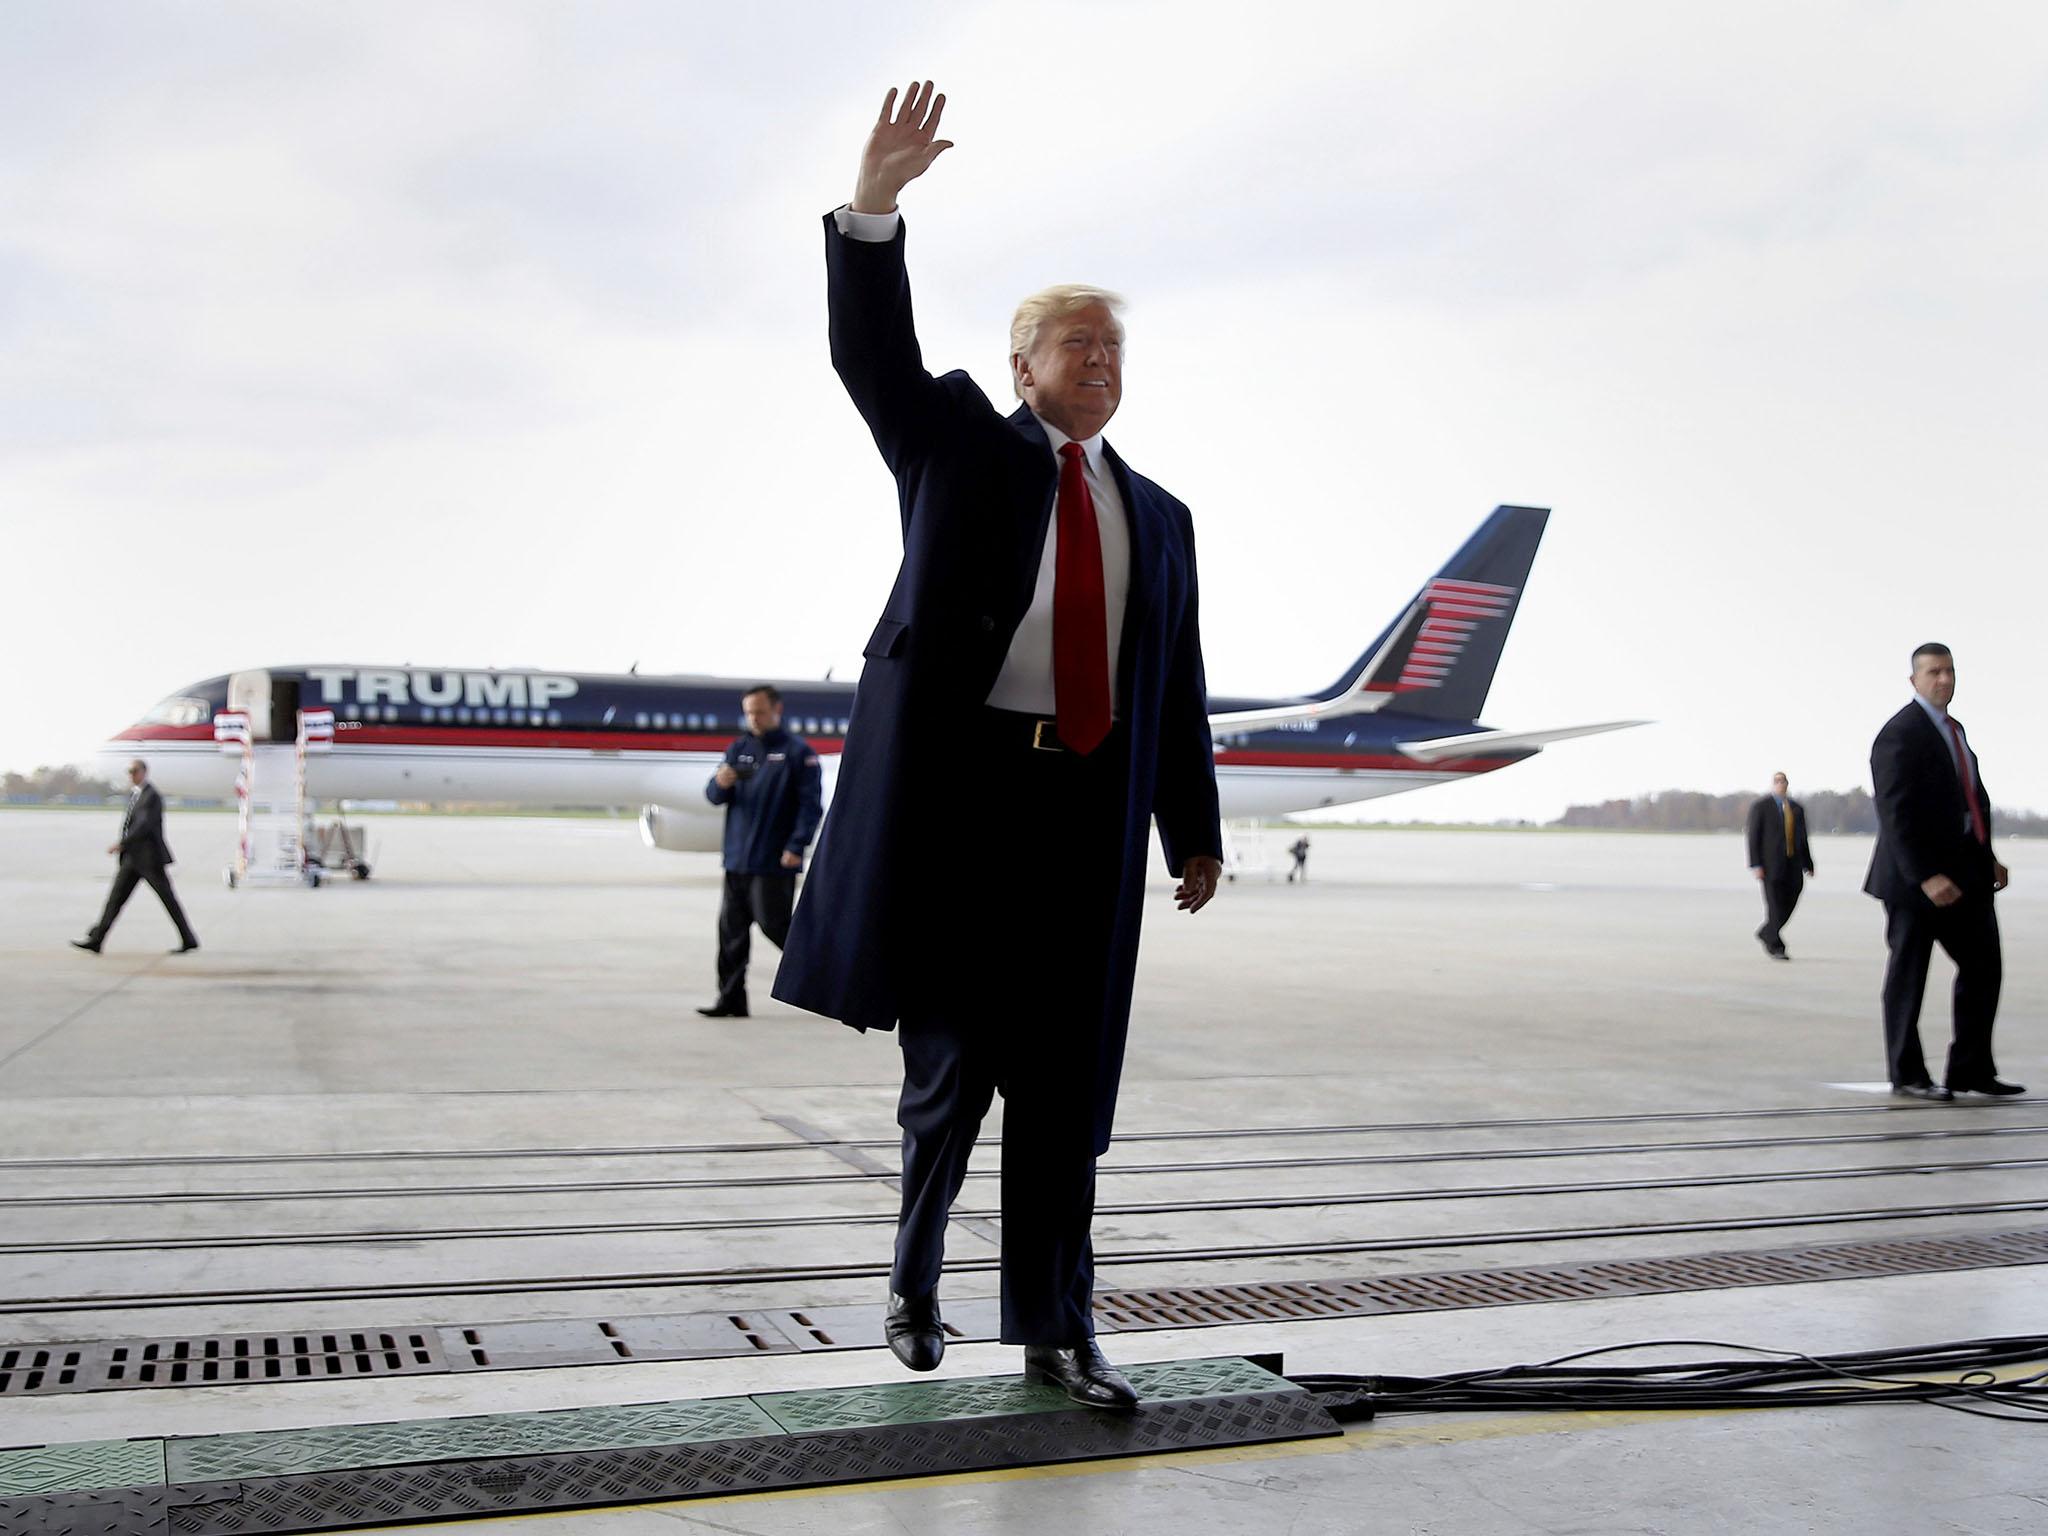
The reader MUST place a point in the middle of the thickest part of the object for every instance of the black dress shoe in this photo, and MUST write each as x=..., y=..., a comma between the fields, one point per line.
x=1929, y=1091
x=914, y=1332
x=1991, y=1087
x=1082, y=1370
x=1781, y=954
x=720, y=1011
x=87, y=945
x=183, y=949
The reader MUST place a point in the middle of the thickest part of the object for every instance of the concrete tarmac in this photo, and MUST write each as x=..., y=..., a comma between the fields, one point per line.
x=527, y=985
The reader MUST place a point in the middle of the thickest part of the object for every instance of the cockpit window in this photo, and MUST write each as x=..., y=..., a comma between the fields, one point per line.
x=180, y=709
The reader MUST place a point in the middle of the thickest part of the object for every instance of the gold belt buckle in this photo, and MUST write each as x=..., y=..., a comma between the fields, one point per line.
x=1038, y=735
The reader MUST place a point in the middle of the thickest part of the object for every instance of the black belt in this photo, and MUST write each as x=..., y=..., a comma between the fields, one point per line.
x=1009, y=727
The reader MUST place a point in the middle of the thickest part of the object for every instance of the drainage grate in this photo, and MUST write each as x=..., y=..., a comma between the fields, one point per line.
x=1284, y=1301
x=192, y=1362
x=222, y=1359
x=35, y=1369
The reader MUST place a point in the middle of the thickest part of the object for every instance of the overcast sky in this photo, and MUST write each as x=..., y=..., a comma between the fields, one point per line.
x=493, y=334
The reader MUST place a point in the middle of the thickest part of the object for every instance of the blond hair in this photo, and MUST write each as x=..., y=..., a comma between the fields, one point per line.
x=1055, y=303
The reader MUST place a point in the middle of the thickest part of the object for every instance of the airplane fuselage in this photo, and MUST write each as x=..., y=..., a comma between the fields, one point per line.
x=546, y=738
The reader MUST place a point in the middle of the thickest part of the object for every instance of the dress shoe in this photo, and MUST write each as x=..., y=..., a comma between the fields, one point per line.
x=1088, y=1377
x=1929, y=1091
x=720, y=1011
x=1990, y=1087
x=87, y=945
x=183, y=949
x=913, y=1331
x=1781, y=954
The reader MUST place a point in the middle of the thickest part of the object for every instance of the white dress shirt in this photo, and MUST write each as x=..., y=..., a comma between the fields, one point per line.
x=1025, y=683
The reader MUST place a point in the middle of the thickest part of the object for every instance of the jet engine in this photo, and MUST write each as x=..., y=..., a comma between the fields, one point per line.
x=665, y=827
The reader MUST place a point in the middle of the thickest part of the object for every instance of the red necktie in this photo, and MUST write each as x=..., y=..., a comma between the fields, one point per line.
x=1969, y=784
x=1080, y=623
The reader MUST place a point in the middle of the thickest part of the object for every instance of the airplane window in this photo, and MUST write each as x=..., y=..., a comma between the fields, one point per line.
x=498, y=717
x=696, y=721
x=711, y=722
x=462, y=714
x=811, y=725
x=661, y=722
x=447, y=715
x=640, y=721
x=554, y=717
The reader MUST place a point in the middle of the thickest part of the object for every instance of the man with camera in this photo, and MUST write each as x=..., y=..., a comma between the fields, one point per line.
x=773, y=793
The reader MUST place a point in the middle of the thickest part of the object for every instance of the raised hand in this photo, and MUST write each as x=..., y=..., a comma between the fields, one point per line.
x=900, y=149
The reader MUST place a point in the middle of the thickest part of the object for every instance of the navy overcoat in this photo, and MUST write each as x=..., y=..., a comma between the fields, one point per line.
x=976, y=492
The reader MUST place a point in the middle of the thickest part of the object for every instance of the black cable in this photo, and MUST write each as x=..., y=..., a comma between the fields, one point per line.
x=1788, y=1379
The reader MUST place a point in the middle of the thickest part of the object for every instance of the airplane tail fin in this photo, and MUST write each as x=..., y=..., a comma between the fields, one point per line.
x=1441, y=662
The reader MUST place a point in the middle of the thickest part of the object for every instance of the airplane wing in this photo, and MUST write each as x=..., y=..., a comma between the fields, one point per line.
x=1370, y=688
x=1441, y=747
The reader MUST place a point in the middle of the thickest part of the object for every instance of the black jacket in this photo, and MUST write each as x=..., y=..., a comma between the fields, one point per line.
x=1767, y=840
x=1922, y=817
x=142, y=829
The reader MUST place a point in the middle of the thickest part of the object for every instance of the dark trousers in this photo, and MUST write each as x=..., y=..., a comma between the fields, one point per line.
x=1780, y=897
x=1010, y=975
x=749, y=900
x=950, y=1075
x=132, y=873
x=1969, y=932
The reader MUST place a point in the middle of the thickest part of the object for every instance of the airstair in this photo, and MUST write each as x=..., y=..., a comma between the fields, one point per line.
x=1245, y=851
x=272, y=810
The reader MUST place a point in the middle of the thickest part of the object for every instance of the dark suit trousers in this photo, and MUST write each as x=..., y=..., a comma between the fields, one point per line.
x=1781, y=895
x=132, y=873
x=1010, y=973
x=1969, y=932
x=749, y=900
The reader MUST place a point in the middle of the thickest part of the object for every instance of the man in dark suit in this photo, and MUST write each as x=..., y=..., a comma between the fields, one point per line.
x=1779, y=858
x=1936, y=874
x=1035, y=689
x=144, y=856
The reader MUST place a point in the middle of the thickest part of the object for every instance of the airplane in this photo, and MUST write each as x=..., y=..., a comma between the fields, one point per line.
x=1403, y=716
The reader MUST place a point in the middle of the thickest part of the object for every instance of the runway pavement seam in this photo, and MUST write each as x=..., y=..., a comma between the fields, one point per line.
x=79, y=1012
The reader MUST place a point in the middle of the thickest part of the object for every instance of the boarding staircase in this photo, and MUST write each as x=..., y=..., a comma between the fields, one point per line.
x=272, y=811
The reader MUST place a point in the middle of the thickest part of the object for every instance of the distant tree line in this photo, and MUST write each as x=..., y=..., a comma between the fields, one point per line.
x=66, y=784
x=1692, y=810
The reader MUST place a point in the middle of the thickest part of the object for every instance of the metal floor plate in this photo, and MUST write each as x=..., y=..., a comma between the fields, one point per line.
x=306, y=1480
x=222, y=1359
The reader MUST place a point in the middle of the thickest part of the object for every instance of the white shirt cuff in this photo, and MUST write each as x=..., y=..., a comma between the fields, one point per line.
x=874, y=227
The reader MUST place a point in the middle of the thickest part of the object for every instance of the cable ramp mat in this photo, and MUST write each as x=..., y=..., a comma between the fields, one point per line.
x=343, y=1354
x=281, y=1481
